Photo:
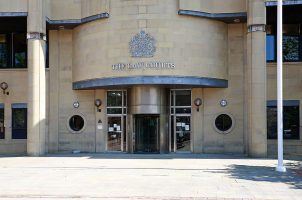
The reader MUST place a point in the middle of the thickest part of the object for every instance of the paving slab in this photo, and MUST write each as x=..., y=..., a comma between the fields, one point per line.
x=131, y=176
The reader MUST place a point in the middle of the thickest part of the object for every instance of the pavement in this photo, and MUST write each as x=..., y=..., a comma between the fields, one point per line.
x=126, y=176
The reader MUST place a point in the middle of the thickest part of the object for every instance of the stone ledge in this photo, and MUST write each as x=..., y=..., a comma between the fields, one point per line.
x=224, y=17
x=151, y=80
x=72, y=23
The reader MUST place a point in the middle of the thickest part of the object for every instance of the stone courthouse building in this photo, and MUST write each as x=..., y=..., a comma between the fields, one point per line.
x=147, y=76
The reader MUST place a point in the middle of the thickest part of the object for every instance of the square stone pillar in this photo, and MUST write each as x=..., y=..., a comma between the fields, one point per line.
x=256, y=79
x=36, y=133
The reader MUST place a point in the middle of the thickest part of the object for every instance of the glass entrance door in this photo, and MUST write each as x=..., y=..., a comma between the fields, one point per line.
x=183, y=134
x=180, y=121
x=146, y=133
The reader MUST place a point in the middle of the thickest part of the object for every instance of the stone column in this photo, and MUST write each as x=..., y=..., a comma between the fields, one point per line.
x=256, y=79
x=36, y=79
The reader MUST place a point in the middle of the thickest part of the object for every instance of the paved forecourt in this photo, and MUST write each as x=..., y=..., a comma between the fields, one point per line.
x=124, y=176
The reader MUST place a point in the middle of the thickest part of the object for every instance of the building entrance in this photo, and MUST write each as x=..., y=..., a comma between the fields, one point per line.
x=146, y=134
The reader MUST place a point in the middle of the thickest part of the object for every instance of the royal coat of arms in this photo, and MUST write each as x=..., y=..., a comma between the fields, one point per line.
x=142, y=45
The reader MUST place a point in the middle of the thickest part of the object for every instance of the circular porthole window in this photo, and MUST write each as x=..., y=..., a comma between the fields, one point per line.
x=76, y=123
x=224, y=123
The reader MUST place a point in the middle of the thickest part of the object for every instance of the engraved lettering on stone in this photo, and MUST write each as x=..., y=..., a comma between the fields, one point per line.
x=143, y=66
x=142, y=45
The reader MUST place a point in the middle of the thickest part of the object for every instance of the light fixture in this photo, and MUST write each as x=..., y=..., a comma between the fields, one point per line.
x=98, y=103
x=236, y=20
x=223, y=103
x=76, y=104
x=4, y=87
x=198, y=103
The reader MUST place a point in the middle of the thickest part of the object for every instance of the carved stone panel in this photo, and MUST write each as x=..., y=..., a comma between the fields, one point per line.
x=142, y=45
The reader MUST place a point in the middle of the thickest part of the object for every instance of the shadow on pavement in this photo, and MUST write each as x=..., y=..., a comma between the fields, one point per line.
x=151, y=156
x=292, y=177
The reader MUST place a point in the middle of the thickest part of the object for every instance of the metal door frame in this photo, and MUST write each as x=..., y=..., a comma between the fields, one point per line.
x=174, y=115
x=122, y=116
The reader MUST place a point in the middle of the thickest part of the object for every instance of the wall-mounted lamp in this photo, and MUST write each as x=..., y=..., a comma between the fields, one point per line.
x=4, y=87
x=237, y=20
x=76, y=104
x=198, y=103
x=98, y=104
x=223, y=103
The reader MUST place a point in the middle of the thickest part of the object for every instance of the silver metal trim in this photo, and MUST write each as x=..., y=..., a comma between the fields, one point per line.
x=285, y=3
x=19, y=105
x=13, y=14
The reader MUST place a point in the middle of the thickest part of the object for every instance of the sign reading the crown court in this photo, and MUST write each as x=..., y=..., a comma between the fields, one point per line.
x=142, y=45
x=143, y=65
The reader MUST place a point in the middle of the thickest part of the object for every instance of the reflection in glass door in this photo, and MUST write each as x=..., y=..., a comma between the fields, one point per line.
x=2, y=129
x=146, y=134
x=114, y=137
x=180, y=121
x=183, y=134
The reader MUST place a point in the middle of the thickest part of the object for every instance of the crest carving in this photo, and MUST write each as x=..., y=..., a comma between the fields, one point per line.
x=142, y=45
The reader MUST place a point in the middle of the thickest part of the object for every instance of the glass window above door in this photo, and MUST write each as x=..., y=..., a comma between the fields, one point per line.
x=115, y=98
x=180, y=101
x=182, y=98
